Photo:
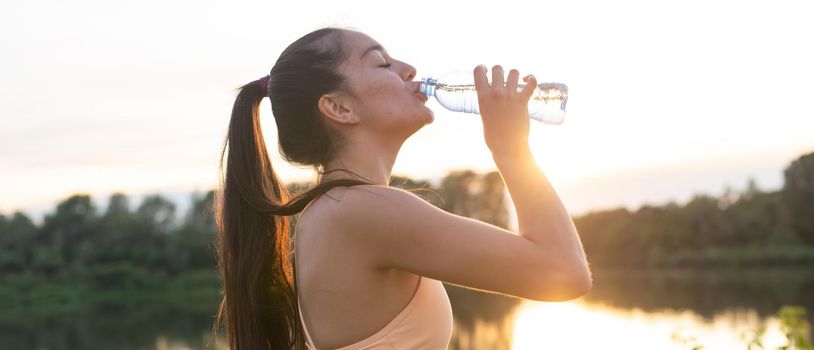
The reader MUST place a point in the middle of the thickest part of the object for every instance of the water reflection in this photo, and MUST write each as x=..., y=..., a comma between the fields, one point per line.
x=706, y=291
x=665, y=309
x=574, y=325
x=481, y=320
x=626, y=309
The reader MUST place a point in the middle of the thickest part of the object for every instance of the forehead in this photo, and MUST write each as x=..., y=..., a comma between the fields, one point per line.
x=361, y=45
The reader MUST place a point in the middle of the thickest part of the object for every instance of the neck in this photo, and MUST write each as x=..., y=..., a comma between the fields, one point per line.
x=370, y=158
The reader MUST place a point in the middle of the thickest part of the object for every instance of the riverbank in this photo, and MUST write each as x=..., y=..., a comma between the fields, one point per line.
x=747, y=256
x=25, y=294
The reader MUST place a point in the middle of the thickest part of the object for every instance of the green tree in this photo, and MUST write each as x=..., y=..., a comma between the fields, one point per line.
x=155, y=220
x=157, y=214
x=473, y=195
x=798, y=196
x=58, y=244
x=490, y=201
x=191, y=245
x=604, y=234
x=200, y=215
x=455, y=189
x=705, y=222
x=118, y=229
x=754, y=217
x=16, y=236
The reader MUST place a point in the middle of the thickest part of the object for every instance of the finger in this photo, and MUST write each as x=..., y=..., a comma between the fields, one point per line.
x=531, y=85
x=479, y=73
x=497, y=76
x=511, y=82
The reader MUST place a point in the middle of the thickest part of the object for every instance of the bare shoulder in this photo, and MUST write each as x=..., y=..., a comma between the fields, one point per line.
x=373, y=207
x=374, y=192
x=345, y=199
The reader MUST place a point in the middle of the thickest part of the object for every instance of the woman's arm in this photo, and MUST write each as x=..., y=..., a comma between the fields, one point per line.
x=393, y=228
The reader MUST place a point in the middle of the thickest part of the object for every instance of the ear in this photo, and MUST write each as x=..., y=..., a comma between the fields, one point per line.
x=337, y=108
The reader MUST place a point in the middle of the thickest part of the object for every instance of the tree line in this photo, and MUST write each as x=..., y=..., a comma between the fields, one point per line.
x=751, y=227
x=79, y=240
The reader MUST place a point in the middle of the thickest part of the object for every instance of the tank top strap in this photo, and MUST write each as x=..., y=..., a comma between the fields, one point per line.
x=308, y=342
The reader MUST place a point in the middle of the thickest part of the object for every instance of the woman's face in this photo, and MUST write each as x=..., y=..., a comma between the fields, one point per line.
x=383, y=96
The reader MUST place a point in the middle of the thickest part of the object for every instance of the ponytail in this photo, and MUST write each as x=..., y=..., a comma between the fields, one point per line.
x=253, y=244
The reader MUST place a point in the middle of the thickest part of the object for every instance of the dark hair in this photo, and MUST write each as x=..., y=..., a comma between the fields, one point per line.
x=259, y=297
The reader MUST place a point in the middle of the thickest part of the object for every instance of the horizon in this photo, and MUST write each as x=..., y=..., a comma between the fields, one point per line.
x=182, y=199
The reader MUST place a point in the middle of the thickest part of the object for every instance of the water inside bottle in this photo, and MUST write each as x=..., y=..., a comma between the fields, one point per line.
x=547, y=104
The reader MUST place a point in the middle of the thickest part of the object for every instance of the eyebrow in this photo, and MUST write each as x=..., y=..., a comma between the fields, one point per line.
x=373, y=48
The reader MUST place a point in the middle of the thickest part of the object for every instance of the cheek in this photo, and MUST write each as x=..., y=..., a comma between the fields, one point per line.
x=386, y=100
x=384, y=97
x=378, y=88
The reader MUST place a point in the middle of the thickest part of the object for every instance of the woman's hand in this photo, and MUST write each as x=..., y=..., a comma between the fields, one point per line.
x=503, y=109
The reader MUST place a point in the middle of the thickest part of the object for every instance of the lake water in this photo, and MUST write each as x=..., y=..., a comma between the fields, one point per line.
x=675, y=309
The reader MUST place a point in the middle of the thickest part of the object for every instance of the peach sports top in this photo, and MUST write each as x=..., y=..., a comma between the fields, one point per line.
x=425, y=323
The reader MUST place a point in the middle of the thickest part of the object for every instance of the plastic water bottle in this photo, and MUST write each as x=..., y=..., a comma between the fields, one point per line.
x=456, y=92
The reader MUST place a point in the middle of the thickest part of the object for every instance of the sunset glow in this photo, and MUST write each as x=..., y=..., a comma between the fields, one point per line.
x=576, y=325
x=120, y=106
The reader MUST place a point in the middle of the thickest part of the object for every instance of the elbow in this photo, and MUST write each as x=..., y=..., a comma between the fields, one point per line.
x=581, y=280
x=583, y=285
x=564, y=288
x=577, y=287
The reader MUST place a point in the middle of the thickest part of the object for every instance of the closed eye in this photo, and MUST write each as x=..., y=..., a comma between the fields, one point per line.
x=387, y=65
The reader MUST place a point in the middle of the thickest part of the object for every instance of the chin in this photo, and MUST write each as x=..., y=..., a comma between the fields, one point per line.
x=417, y=121
x=429, y=116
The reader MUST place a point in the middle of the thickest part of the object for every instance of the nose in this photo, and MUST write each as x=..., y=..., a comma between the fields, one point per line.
x=409, y=71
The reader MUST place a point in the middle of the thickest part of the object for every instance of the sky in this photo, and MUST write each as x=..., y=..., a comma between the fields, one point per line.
x=666, y=99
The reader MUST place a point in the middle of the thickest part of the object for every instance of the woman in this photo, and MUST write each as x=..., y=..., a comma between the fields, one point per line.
x=371, y=258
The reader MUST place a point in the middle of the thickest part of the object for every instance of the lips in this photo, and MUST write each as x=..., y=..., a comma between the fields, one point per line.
x=421, y=96
x=417, y=92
